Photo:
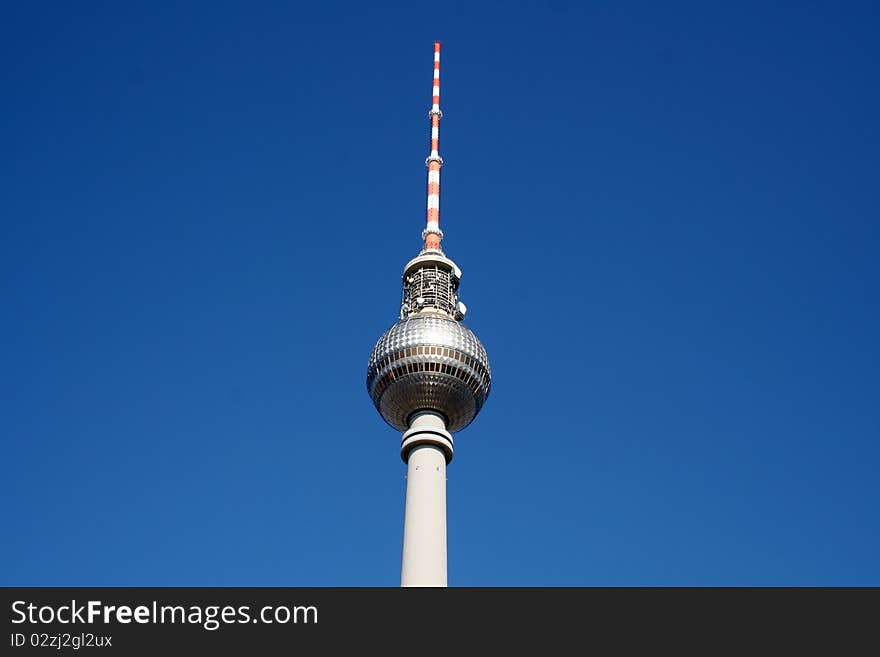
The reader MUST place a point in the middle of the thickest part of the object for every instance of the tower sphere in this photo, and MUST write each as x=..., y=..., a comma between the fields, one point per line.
x=429, y=362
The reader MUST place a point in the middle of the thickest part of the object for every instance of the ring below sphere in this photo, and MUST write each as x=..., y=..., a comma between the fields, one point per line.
x=429, y=363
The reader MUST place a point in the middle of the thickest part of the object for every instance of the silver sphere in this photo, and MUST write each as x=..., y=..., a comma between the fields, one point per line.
x=429, y=362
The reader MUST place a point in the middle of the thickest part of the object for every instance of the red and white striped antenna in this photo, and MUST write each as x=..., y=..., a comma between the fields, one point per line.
x=432, y=233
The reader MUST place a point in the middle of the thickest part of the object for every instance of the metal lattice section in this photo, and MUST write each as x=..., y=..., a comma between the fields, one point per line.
x=429, y=363
x=430, y=286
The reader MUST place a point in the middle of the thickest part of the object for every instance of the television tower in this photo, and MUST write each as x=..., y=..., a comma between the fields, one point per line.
x=428, y=377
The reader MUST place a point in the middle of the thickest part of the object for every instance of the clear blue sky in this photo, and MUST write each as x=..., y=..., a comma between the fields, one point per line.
x=666, y=215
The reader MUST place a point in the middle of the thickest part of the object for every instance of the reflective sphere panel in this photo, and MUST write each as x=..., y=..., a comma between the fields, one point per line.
x=429, y=363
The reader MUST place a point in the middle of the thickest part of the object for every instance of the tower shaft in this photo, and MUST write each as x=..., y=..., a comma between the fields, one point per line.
x=425, y=447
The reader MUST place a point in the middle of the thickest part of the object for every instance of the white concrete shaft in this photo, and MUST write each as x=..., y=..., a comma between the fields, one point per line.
x=424, y=525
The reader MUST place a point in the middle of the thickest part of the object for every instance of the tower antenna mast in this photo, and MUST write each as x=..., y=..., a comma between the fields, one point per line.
x=432, y=233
